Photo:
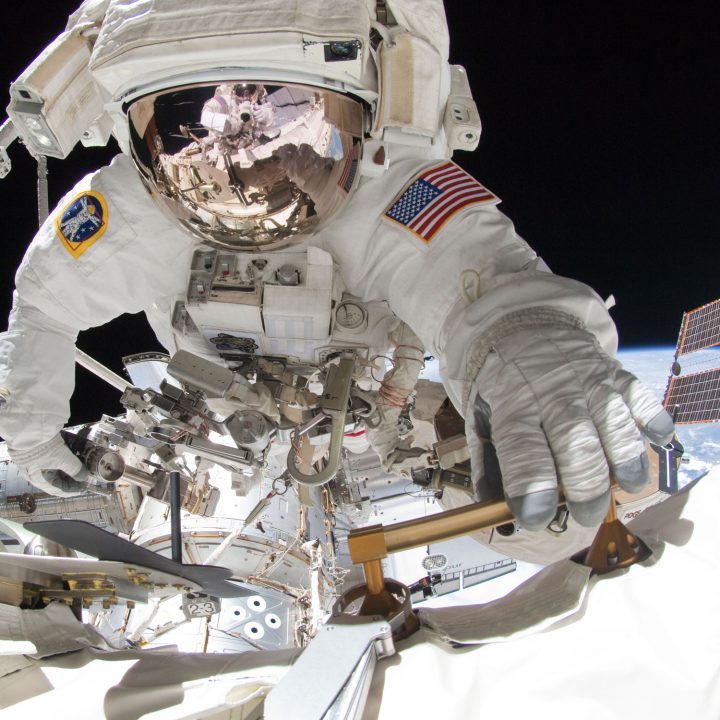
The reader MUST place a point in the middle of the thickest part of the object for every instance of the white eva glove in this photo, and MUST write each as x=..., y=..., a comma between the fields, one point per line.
x=263, y=115
x=40, y=466
x=561, y=412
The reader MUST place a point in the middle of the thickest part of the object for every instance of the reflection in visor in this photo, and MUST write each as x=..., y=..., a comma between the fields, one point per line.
x=247, y=164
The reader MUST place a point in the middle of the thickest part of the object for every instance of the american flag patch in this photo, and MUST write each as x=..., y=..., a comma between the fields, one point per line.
x=434, y=197
x=350, y=170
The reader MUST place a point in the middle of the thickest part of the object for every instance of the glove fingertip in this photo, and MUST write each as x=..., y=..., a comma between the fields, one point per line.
x=660, y=429
x=633, y=475
x=590, y=513
x=536, y=510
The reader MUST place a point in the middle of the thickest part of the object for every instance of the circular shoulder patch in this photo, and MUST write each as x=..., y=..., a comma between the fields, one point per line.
x=82, y=222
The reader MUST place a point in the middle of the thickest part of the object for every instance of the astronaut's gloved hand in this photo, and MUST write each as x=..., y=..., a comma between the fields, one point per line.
x=52, y=468
x=561, y=412
x=263, y=115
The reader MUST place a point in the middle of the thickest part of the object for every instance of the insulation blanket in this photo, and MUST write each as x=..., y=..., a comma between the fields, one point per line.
x=645, y=644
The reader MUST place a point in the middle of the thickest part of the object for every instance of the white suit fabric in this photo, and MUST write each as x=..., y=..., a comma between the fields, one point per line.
x=140, y=260
x=194, y=36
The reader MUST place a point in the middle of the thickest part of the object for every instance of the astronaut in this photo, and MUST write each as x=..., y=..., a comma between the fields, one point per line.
x=248, y=135
x=236, y=115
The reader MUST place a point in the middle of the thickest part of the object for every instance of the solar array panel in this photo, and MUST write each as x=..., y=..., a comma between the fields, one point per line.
x=700, y=329
x=694, y=398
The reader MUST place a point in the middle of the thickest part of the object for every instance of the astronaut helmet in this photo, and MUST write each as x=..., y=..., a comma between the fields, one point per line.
x=248, y=164
x=251, y=120
x=250, y=92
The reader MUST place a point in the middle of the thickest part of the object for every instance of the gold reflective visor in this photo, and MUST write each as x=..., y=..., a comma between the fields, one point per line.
x=248, y=164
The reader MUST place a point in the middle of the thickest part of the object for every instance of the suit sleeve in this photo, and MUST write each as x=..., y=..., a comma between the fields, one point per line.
x=464, y=283
x=37, y=372
x=104, y=251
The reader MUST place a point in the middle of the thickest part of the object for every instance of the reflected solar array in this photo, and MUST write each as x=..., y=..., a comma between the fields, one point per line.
x=694, y=398
x=700, y=329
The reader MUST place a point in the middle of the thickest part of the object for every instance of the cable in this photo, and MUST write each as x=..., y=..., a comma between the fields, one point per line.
x=392, y=395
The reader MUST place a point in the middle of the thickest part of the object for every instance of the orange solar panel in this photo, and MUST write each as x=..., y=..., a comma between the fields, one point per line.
x=700, y=329
x=694, y=398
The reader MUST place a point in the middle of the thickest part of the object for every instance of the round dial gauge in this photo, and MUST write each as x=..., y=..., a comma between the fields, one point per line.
x=351, y=315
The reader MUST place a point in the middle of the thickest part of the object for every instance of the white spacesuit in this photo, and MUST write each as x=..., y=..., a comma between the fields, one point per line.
x=274, y=172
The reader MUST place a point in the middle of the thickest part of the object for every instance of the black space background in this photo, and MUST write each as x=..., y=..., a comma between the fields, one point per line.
x=600, y=134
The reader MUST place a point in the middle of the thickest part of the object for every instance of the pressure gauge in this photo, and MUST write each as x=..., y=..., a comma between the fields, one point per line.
x=351, y=316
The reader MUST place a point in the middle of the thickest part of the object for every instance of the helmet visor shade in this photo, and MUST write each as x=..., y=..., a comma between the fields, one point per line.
x=248, y=164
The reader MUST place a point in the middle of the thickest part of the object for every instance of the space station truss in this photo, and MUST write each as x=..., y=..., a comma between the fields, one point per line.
x=700, y=329
x=695, y=397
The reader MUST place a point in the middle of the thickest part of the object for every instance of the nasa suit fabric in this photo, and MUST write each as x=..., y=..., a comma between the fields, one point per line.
x=140, y=260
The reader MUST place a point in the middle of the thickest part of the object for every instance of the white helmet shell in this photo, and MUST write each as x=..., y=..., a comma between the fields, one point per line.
x=143, y=42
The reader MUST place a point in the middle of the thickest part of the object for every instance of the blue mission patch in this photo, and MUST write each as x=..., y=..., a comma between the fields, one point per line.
x=82, y=222
x=82, y=219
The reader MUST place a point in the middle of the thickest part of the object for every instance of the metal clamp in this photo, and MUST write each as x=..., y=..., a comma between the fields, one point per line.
x=394, y=604
x=333, y=403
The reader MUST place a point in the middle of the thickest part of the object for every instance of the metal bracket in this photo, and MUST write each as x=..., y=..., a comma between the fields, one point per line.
x=668, y=465
x=334, y=403
x=221, y=454
x=350, y=646
x=8, y=134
